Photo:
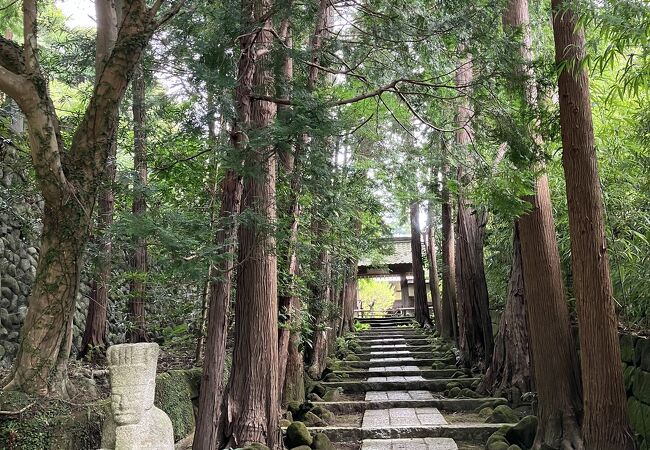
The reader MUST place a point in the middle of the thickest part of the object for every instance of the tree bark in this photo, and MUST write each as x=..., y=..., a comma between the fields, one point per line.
x=605, y=422
x=448, y=326
x=433, y=268
x=139, y=257
x=419, y=283
x=219, y=287
x=511, y=365
x=68, y=185
x=251, y=404
x=474, y=322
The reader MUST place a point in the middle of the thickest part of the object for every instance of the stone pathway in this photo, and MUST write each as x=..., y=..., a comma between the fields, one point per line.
x=394, y=375
x=399, y=417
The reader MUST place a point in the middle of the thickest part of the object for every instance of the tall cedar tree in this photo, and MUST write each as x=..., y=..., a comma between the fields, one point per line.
x=422, y=315
x=605, y=422
x=449, y=324
x=68, y=185
x=139, y=256
x=251, y=405
x=474, y=322
x=511, y=361
x=433, y=264
x=94, y=337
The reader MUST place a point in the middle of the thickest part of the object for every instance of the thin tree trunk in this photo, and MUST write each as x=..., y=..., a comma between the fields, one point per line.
x=511, y=366
x=94, y=337
x=605, y=423
x=138, y=288
x=448, y=327
x=219, y=287
x=251, y=404
x=433, y=269
x=419, y=283
x=474, y=322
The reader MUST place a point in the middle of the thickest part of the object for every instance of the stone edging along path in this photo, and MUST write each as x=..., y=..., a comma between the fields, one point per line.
x=396, y=378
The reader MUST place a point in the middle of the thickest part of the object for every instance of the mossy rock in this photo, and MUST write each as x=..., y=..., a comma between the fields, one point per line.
x=641, y=386
x=256, y=446
x=642, y=353
x=453, y=384
x=284, y=423
x=502, y=414
x=459, y=374
x=332, y=395
x=317, y=389
x=629, y=373
x=302, y=447
x=312, y=420
x=322, y=442
x=628, y=348
x=475, y=384
x=454, y=392
x=352, y=357
x=485, y=412
x=497, y=441
x=297, y=435
x=176, y=392
x=467, y=392
x=514, y=447
x=523, y=432
x=638, y=414
x=324, y=414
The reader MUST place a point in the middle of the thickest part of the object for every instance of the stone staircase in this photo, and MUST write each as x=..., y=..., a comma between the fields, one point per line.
x=391, y=382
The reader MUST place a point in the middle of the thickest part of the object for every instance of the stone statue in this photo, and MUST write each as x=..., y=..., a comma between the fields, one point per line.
x=135, y=423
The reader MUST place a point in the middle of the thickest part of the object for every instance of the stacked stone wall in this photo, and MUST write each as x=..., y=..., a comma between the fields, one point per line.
x=635, y=352
x=19, y=230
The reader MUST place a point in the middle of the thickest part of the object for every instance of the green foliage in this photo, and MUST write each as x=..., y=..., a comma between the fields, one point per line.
x=376, y=295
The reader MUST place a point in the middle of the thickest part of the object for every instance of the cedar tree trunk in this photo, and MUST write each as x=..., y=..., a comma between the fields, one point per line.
x=251, y=404
x=433, y=269
x=605, y=423
x=419, y=283
x=448, y=326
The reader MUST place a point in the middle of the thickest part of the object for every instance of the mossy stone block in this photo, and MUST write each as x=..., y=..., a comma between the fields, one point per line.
x=297, y=435
x=642, y=353
x=312, y=420
x=523, y=432
x=322, y=442
x=502, y=414
x=628, y=348
x=256, y=446
x=641, y=386
x=639, y=414
x=175, y=392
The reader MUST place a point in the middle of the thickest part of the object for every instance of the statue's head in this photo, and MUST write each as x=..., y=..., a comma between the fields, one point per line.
x=132, y=369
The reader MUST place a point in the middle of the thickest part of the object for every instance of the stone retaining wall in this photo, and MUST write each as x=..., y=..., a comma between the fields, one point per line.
x=635, y=352
x=19, y=229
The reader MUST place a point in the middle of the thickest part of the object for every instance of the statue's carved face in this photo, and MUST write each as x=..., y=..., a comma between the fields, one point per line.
x=130, y=402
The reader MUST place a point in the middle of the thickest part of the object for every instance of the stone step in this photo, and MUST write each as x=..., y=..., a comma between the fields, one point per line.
x=394, y=346
x=422, y=352
x=363, y=338
x=382, y=362
x=381, y=320
x=444, y=404
x=428, y=354
x=471, y=432
x=438, y=385
x=391, y=328
x=396, y=371
x=411, y=444
x=416, y=340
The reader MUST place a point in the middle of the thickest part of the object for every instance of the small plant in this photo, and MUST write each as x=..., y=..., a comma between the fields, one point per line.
x=358, y=326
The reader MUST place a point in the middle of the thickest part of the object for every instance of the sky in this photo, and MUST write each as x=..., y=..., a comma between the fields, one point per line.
x=78, y=13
